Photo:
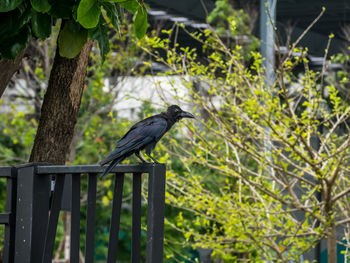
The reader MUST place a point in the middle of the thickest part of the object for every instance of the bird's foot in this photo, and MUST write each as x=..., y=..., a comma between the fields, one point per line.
x=153, y=159
x=140, y=157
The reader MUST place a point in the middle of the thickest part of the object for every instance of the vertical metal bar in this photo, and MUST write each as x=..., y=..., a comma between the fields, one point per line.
x=49, y=244
x=136, y=219
x=67, y=194
x=115, y=219
x=75, y=220
x=90, y=219
x=9, y=244
x=32, y=209
x=155, y=215
x=267, y=48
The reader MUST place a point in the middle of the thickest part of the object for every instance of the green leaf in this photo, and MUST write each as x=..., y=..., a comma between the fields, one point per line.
x=8, y=5
x=130, y=5
x=100, y=33
x=41, y=5
x=140, y=22
x=71, y=39
x=117, y=1
x=11, y=47
x=41, y=25
x=112, y=14
x=88, y=13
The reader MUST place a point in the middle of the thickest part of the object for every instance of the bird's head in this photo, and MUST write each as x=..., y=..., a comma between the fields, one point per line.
x=176, y=113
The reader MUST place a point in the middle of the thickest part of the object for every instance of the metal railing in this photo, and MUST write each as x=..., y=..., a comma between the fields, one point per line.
x=31, y=217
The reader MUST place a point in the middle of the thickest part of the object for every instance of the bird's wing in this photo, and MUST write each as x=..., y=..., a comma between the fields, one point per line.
x=143, y=123
x=149, y=127
x=138, y=136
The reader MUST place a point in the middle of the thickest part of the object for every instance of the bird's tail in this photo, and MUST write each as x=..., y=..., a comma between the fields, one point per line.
x=112, y=165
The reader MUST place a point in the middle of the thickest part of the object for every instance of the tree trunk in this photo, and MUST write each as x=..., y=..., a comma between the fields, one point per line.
x=7, y=68
x=60, y=108
x=332, y=245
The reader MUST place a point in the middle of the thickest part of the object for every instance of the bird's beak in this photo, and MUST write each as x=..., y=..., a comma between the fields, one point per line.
x=186, y=114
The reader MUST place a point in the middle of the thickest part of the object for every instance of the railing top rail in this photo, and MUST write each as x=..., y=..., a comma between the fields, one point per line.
x=88, y=169
x=5, y=218
x=5, y=171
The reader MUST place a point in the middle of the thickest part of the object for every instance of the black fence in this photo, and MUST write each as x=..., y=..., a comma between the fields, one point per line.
x=33, y=204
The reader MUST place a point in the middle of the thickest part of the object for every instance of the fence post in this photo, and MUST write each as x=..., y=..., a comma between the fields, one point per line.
x=9, y=244
x=32, y=208
x=155, y=215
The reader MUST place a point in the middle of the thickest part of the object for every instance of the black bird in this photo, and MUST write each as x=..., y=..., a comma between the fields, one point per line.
x=144, y=135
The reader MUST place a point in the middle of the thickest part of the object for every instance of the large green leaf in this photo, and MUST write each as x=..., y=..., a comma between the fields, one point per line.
x=41, y=5
x=100, y=33
x=8, y=5
x=11, y=47
x=130, y=5
x=41, y=25
x=113, y=14
x=88, y=13
x=140, y=22
x=71, y=39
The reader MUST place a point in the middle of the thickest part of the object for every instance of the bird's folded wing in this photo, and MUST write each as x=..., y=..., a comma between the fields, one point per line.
x=137, y=138
x=131, y=146
x=153, y=129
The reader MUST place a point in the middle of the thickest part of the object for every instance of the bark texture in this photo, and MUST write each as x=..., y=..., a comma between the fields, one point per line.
x=332, y=245
x=60, y=108
x=8, y=67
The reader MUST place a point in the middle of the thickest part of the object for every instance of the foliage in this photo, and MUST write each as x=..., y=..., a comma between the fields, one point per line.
x=267, y=167
x=17, y=133
x=262, y=175
x=233, y=26
x=23, y=19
